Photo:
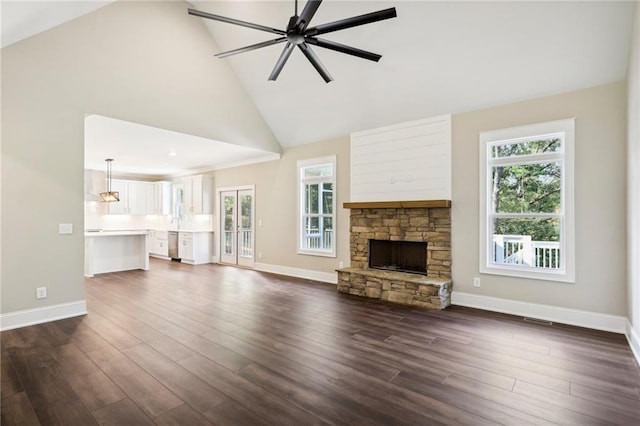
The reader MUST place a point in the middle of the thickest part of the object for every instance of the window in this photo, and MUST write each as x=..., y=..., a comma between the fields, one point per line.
x=316, y=188
x=526, y=201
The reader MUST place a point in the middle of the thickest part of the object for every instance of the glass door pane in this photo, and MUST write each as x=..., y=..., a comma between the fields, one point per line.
x=245, y=238
x=228, y=234
x=237, y=227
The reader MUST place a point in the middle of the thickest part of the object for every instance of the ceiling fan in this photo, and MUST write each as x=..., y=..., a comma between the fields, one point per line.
x=298, y=33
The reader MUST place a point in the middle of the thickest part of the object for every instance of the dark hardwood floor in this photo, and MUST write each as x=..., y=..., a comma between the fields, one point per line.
x=210, y=344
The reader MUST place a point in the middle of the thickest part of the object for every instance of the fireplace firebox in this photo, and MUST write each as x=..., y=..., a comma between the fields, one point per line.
x=401, y=256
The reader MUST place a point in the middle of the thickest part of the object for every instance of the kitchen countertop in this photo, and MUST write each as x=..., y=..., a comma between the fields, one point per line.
x=115, y=233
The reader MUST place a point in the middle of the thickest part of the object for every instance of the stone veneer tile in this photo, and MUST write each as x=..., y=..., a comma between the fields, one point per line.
x=432, y=225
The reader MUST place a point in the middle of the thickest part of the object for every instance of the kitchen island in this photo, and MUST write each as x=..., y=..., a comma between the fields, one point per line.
x=112, y=251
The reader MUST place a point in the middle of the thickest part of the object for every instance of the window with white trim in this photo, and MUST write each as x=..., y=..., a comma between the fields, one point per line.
x=526, y=201
x=317, y=199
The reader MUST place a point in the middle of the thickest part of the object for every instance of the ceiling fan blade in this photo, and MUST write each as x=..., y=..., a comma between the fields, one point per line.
x=235, y=22
x=352, y=22
x=281, y=61
x=305, y=17
x=315, y=61
x=327, y=44
x=250, y=48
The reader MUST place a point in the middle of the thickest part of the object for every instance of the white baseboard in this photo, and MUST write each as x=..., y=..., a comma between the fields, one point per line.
x=159, y=256
x=597, y=321
x=326, y=277
x=634, y=341
x=27, y=317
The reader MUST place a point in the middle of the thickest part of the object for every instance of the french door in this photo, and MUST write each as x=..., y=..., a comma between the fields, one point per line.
x=236, y=227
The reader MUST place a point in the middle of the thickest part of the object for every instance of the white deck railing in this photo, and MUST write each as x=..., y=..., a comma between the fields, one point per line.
x=521, y=250
x=245, y=239
x=246, y=243
x=315, y=240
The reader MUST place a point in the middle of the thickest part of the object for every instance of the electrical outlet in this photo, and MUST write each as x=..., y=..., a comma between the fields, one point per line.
x=341, y=265
x=476, y=281
x=41, y=293
x=260, y=255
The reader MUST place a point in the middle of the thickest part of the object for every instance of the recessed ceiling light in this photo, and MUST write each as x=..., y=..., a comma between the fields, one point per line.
x=172, y=154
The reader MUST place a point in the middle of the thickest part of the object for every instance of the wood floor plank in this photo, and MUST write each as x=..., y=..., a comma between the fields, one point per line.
x=153, y=338
x=9, y=381
x=88, y=381
x=321, y=381
x=123, y=412
x=493, y=411
x=17, y=411
x=83, y=336
x=42, y=378
x=136, y=383
x=373, y=388
x=191, y=389
x=212, y=344
x=551, y=413
x=182, y=415
x=629, y=405
x=96, y=390
x=537, y=369
x=206, y=347
x=263, y=403
x=230, y=413
x=304, y=397
x=559, y=384
x=589, y=408
x=66, y=412
x=116, y=336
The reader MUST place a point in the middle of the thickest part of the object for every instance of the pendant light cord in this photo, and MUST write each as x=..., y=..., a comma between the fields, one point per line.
x=109, y=175
x=296, y=11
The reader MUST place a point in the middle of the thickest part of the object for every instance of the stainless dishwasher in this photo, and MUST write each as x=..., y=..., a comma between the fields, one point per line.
x=173, y=245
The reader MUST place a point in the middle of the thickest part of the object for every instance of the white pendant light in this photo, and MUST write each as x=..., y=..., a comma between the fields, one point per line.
x=109, y=196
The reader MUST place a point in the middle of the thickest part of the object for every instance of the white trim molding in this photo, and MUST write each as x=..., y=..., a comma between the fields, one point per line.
x=325, y=277
x=562, y=130
x=41, y=315
x=594, y=320
x=634, y=341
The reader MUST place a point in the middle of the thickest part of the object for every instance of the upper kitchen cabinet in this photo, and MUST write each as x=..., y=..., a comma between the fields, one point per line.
x=136, y=197
x=162, y=198
x=198, y=194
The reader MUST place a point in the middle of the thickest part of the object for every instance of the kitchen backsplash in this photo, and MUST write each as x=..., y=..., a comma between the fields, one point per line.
x=95, y=218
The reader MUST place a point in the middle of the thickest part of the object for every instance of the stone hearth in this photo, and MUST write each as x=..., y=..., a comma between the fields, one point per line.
x=403, y=222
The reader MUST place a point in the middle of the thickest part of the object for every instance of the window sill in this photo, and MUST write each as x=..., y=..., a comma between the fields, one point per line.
x=316, y=253
x=515, y=272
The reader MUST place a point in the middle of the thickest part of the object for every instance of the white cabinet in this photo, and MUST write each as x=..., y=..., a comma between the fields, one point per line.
x=118, y=207
x=159, y=244
x=136, y=197
x=162, y=198
x=195, y=247
x=185, y=246
x=198, y=194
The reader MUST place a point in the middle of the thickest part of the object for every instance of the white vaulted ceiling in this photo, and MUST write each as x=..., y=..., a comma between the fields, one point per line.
x=438, y=58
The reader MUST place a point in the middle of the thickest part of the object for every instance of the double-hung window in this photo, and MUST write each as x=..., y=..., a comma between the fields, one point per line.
x=317, y=222
x=526, y=201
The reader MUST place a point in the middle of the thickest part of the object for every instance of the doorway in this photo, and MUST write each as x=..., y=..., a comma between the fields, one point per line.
x=237, y=226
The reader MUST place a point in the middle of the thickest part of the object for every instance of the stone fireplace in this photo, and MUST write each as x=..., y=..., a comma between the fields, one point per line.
x=387, y=241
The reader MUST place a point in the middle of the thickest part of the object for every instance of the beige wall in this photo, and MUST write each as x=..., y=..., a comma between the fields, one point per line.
x=633, y=180
x=146, y=62
x=276, y=204
x=599, y=200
